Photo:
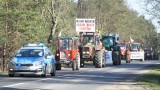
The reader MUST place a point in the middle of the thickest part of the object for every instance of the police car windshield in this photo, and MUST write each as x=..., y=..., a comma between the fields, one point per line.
x=30, y=53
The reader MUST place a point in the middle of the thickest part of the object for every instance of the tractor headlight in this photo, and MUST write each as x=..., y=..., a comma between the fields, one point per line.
x=85, y=52
x=38, y=63
x=57, y=54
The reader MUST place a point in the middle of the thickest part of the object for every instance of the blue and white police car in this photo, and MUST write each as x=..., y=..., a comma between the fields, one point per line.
x=33, y=59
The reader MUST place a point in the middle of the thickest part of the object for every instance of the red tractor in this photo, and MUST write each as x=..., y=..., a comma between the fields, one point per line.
x=67, y=52
x=123, y=49
x=91, y=49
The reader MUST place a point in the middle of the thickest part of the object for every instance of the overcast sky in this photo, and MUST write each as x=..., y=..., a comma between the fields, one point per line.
x=138, y=6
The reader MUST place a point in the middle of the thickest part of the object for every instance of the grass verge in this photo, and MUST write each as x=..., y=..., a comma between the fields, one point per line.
x=151, y=79
x=1, y=72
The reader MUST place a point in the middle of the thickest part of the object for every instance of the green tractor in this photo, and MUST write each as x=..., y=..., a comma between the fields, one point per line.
x=110, y=43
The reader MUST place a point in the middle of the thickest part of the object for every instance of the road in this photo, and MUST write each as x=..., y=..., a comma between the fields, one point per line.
x=87, y=78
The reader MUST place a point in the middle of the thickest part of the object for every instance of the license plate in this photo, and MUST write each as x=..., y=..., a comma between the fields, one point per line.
x=24, y=68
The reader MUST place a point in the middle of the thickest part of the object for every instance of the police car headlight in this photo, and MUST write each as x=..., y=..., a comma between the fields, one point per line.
x=87, y=52
x=84, y=52
x=38, y=63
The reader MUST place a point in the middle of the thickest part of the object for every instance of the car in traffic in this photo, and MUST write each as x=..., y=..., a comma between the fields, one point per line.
x=148, y=54
x=32, y=59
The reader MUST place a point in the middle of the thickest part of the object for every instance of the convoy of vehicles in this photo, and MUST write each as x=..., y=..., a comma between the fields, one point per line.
x=89, y=46
x=33, y=59
x=67, y=52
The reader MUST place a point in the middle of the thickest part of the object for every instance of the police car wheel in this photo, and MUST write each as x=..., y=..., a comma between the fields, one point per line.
x=53, y=73
x=11, y=75
x=44, y=74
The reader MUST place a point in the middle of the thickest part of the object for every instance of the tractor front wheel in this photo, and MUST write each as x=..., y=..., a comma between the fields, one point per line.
x=116, y=58
x=78, y=62
x=74, y=65
x=98, y=59
x=58, y=66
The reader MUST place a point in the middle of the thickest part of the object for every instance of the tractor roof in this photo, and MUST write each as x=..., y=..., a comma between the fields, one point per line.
x=110, y=35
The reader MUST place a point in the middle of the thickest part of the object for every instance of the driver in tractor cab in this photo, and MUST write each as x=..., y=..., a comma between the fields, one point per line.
x=90, y=43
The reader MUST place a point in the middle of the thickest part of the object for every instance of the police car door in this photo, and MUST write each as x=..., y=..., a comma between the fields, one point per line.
x=48, y=60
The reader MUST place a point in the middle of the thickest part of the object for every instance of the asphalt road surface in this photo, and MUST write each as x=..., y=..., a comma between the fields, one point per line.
x=87, y=78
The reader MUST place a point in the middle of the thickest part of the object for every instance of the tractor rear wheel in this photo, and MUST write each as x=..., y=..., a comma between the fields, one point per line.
x=98, y=59
x=78, y=62
x=58, y=66
x=116, y=58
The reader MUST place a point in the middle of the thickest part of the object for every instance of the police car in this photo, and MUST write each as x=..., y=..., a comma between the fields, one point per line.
x=33, y=59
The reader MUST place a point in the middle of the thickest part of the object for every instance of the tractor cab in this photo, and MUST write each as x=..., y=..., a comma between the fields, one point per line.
x=109, y=41
x=67, y=51
x=135, y=47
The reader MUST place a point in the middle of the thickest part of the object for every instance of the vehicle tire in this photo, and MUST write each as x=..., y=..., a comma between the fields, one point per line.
x=78, y=62
x=44, y=72
x=94, y=62
x=74, y=65
x=127, y=59
x=81, y=63
x=53, y=73
x=58, y=66
x=98, y=59
x=11, y=75
x=115, y=58
x=21, y=75
x=104, y=59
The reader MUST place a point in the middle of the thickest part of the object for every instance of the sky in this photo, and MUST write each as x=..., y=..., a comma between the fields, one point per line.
x=138, y=6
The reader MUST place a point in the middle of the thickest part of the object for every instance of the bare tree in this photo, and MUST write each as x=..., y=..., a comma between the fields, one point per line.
x=153, y=7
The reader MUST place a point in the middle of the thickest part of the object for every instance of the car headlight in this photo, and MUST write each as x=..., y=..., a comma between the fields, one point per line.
x=38, y=63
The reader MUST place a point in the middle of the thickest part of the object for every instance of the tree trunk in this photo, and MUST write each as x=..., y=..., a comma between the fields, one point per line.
x=53, y=28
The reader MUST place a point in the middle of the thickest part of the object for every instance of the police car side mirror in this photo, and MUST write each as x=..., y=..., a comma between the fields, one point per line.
x=12, y=56
x=48, y=56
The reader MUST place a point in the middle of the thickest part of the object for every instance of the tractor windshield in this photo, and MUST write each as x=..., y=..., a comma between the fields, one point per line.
x=108, y=41
x=88, y=40
x=135, y=47
x=65, y=44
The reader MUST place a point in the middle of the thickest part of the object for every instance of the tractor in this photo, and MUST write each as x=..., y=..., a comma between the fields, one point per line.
x=134, y=51
x=110, y=43
x=123, y=49
x=91, y=49
x=67, y=52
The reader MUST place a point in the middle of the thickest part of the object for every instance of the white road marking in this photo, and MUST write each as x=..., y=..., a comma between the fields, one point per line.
x=13, y=85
